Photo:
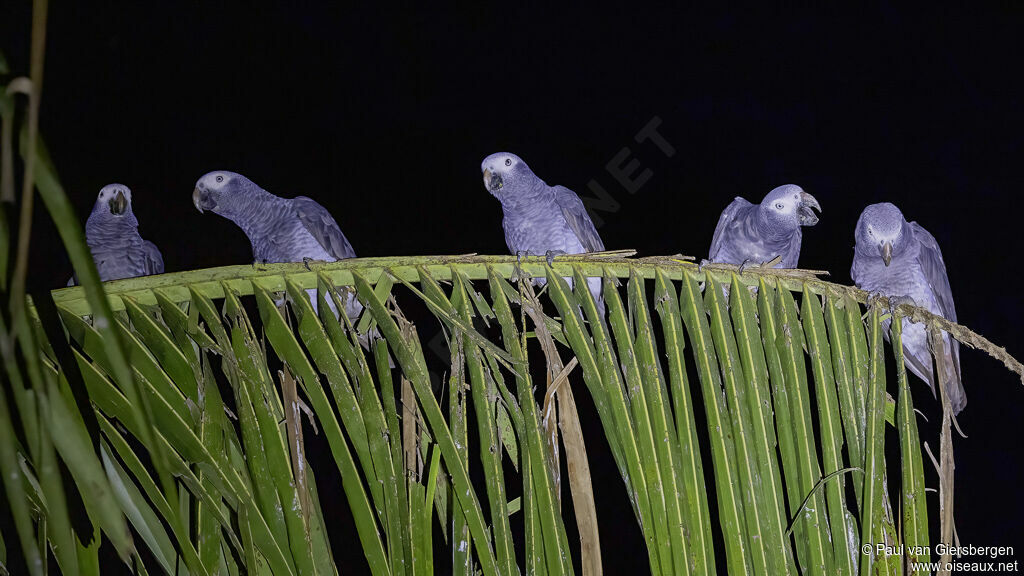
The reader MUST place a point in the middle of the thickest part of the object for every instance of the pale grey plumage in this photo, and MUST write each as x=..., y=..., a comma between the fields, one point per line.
x=901, y=259
x=757, y=233
x=280, y=229
x=114, y=241
x=539, y=219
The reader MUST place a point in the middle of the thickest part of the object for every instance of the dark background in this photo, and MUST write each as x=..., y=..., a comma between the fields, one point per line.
x=384, y=117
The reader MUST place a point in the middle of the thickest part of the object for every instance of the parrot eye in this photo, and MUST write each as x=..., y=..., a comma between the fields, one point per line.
x=220, y=178
x=508, y=161
x=779, y=205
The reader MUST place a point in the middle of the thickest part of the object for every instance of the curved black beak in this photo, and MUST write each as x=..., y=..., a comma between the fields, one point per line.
x=201, y=200
x=492, y=180
x=118, y=204
x=808, y=204
x=886, y=252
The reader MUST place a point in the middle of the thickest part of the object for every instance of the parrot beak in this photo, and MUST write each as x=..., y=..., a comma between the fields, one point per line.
x=118, y=204
x=202, y=200
x=808, y=204
x=887, y=252
x=492, y=181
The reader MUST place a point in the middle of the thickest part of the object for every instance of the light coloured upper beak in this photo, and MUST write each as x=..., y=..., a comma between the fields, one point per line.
x=195, y=199
x=887, y=252
x=487, y=178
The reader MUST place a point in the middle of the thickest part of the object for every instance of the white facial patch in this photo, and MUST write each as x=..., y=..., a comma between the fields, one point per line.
x=499, y=163
x=215, y=180
x=108, y=192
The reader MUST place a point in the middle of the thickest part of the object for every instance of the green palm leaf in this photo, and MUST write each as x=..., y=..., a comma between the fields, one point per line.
x=180, y=405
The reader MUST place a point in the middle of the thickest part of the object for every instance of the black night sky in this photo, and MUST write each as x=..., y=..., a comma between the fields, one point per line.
x=383, y=116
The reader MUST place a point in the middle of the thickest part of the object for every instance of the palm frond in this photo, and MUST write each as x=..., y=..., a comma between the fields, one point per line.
x=180, y=407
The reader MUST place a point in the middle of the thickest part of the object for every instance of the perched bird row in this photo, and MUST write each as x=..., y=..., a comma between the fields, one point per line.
x=892, y=257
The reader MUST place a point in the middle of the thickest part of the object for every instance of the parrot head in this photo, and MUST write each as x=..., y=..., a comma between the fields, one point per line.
x=221, y=192
x=501, y=170
x=789, y=207
x=115, y=198
x=880, y=231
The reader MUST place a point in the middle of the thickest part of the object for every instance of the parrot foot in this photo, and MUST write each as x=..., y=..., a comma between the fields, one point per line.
x=305, y=262
x=873, y=298
x=550, y=255
x=519, y=264
x=897, y=301
x=900, y=300
x=702, y=264
x=743, y=265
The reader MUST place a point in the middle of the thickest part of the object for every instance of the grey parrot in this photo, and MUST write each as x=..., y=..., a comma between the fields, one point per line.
x=113, y=237
x=280, y=229
x=757, y=233
x=901, y=260
x=540, y=220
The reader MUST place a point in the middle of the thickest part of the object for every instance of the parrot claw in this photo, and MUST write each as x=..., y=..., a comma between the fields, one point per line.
x=743, y=265
x=305, y=262
x=550, y=255
x=519, y=264
x=873, y=298
x=900, y=300
x=702, y=264
x=897, y=301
